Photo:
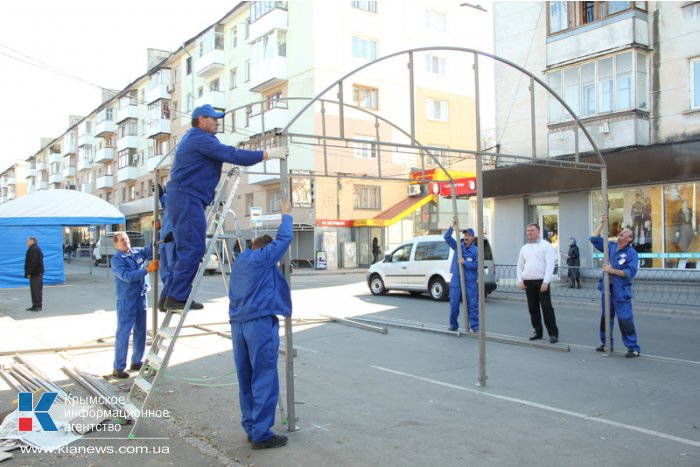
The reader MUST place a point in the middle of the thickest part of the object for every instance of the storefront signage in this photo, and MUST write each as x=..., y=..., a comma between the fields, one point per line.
x=463, y=187
x=333, y=223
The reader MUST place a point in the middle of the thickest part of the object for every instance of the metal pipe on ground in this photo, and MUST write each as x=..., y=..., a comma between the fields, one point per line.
x=350, y=322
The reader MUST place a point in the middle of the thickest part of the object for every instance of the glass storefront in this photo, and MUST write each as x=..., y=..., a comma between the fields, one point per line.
x=663, y=219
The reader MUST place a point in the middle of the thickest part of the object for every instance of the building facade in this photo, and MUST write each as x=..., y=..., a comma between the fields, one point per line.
x=631, y=73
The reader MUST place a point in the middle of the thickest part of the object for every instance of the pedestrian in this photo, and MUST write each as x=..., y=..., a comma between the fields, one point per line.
x=166, y=250
x=573, y=261
x=259, y=292
x=132, y=285
x=535, y=270
x=470, y=266
x=34, y=271
x=68, y=251
x=193, y=179
x=375, y=250
x=623, y=266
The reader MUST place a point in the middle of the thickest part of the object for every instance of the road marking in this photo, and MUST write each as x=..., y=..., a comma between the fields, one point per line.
x=647, y=356
x=548, y=408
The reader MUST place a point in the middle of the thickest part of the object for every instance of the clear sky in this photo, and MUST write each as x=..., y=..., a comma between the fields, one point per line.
x=101, y=42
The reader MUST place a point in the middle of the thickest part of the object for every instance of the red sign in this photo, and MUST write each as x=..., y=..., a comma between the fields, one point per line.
x=463, y=187
x=333, y=223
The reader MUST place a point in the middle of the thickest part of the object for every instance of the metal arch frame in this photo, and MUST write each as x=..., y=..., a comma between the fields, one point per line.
x=285, y=134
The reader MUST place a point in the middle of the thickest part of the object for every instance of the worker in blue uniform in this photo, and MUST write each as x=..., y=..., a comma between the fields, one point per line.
x=196, y=172
x=258, y=292
x=622, y=267
x=166, y=250
x=470, y=266
x=132, y=284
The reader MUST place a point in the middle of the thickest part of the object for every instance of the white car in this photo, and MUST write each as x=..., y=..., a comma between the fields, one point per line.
x=212, y=265
x=422, y=264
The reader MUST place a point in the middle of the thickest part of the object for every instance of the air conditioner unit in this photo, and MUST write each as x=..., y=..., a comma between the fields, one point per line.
x=413, y=190
x=170, y=88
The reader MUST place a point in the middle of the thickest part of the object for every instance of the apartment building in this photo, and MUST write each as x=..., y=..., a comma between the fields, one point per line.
x=261, y=63
x=631, y=72
x=12, y=182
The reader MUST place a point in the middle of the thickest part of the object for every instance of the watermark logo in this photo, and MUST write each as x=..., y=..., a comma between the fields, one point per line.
x=41, y=411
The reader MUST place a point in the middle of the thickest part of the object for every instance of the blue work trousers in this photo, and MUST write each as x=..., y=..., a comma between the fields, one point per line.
x=623, y=310
x=131, y=314
x=166, y=254
x=189, y=230
x=472, y=303
x=255, y=346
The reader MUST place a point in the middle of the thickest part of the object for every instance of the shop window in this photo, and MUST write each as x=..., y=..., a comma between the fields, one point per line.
x=682, y=240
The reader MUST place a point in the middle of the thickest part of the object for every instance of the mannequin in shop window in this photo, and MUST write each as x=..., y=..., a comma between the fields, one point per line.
x=685, y=228
x=637, y=214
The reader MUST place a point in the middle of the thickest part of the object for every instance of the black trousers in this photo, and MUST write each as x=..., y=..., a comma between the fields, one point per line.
x=537, y=299
x=36, y=285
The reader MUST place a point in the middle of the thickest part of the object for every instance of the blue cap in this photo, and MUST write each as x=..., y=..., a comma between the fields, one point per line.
x=469, y=231
x=206, y=110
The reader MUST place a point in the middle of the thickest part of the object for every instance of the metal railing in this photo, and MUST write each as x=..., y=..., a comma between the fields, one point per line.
x=657, y=286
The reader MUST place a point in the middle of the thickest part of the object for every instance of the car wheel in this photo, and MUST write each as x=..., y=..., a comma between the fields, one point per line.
x=438, y=291
x=376, y=285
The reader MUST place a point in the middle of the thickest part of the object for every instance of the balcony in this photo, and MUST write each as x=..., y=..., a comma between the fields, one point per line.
x=55, y=157
x=217, y=99
x=85, y=139
x=274, y=118
x=85, y=187
x=153, y=161
x=209, y=64
x=127, y=174
x=40, y=165
x=268, y=73
x=42, y=185
x=126, y=142
x=274, y=19
x=158, y=127
x=68, y=172
x=130, y=111
x=103, y=182
x=31, y=173
x=159, y=91
x=55, y=178
x=105, y=128
x=10, y=181
x=84, y=164
x=104, y=155
x=68, y=147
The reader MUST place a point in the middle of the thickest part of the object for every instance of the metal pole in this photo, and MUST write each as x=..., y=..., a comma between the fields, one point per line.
x=606, y=248
x=532, y=115
x=412, y=99
x=341, y=113
x=480, y=225
x=289, y=354
x=323, y=131
x=154, y=275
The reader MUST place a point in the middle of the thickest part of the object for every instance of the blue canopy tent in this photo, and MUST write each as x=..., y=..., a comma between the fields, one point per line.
x=43, y=214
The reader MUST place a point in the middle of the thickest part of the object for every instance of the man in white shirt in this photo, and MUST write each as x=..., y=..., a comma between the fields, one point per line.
x=535, y=269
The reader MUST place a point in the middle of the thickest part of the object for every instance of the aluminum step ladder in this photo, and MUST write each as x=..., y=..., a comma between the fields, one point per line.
x=156, y=360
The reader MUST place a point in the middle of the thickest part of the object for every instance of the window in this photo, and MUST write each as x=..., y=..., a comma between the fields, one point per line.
x=402, y=254
x=214, y=85
x=558, y=16
x=159, y=110
x=247, y=70
x=274, y=101
x=610, y=84
x=175, y=73
x=365, y=6
x=174, y=110
x=434, y=20
x=88, y=127
x=365, y=150
x=233, y=122
x=248, y=203
x=260, y=9
x=443, y=155
x=127, y=158
x=248, y=115
x=432, y=251
x=436, y=110
x=188, y=66
x=200, y=91
x=435, y=64
x=364, y=48
x=365, y=97
x=234, y=79
x=234, y=36
x=695, y=83
x=128, y=128
x=366, y=197
x=273, y=201
x=568, y=15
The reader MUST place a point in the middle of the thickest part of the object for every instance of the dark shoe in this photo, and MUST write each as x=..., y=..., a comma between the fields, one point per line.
x=161, y=304
x=601, y=348
x=535, y=337
x=34, y=308
x=578, y=285
x=553, y=339
x=31, y=308
x=172, y=304
x=135, y=366
x=277, y=441
x=632, y=354
x=250, y=440
x=452, y=328
x=120, y=374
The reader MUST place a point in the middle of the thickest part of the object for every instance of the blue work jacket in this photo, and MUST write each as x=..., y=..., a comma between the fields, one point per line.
x=470, y=255
x=130, y=275
x=625, y=259
x=198, y=161
x=257, y=287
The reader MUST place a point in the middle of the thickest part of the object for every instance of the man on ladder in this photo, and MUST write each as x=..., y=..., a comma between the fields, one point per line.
x=193, y=179
x=259, y=292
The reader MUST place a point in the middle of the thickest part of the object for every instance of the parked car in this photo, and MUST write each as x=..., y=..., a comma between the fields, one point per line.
x=212, y=265
x=104, y=248
x=422, y=264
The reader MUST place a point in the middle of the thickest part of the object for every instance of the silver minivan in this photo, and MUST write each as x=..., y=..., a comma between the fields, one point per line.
x=422, y=264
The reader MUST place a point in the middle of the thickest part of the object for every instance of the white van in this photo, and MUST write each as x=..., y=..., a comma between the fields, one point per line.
x=422, y=264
